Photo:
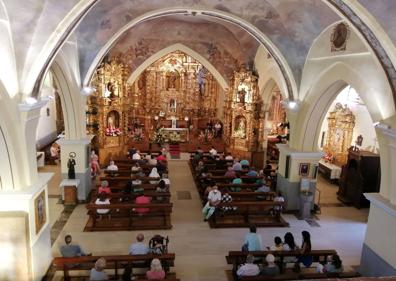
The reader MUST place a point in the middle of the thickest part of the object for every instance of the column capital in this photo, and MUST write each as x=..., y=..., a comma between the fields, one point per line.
x=381, y=202
x=32, y=110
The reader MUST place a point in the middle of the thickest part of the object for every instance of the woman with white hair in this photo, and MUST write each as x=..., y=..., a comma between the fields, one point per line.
x=154, y=174
x=156, y=271
x=97, y=273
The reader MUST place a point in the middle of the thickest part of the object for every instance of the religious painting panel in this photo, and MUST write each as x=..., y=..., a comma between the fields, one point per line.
x=40, y=215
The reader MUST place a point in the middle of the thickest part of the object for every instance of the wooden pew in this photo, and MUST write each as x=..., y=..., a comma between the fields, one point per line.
x=245, y=179
x=115, y=262
x=300, y=276
x=130, y=197
x=245, y=213
x=125, y=179
x=124, y=217
x=237, y=258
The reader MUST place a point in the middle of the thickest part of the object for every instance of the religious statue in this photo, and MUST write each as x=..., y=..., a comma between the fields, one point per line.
x=172, y=80
x=172, y=105
x=70, y=165
x=201, y=80
x=240, y=130
x=242, y=95
x=110, y=89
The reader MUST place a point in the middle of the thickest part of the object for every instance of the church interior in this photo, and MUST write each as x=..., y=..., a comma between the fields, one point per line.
x=209, y=129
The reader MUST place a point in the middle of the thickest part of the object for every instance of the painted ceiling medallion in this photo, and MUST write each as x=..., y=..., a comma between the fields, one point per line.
x=339, y=37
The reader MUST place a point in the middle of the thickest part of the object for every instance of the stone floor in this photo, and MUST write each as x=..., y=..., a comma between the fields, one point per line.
x=200, y=251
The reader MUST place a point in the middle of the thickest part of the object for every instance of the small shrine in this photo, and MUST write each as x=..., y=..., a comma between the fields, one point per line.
x=341, y=122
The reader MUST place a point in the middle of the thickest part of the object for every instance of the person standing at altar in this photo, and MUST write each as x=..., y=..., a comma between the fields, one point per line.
x=161, y=157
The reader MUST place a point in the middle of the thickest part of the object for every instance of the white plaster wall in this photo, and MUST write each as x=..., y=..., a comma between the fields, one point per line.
x=363, y=123
x=381, y=227
x=6, y=179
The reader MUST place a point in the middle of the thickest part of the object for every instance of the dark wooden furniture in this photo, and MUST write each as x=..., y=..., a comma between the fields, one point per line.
x=115, y=262
x=361, y=174
x=123, y=216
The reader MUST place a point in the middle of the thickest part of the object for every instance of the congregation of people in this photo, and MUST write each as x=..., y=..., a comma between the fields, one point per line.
x=157, y=245
x=270, y=266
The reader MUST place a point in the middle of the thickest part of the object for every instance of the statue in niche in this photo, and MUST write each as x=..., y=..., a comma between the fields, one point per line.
x=172, y=105
x=110, y=91
x=240, y=130
x=71, y=174
x=172, y=78
x=201, y=75
x=113, y=123
x=242, y=95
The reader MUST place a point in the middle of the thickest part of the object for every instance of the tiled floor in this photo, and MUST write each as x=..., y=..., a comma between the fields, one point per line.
x=200, y=251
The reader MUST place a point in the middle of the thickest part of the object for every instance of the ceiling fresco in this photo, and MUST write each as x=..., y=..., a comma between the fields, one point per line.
x=291, y=25
x=226, y=48
x=384, y=11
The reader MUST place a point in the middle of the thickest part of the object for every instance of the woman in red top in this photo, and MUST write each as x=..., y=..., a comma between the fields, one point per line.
x=142, y=199
x=156, y=271
x=104, y=188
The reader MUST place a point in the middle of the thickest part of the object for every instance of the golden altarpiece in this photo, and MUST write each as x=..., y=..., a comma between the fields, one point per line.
x=244, y=117
x=173, y=94
x=341, y=122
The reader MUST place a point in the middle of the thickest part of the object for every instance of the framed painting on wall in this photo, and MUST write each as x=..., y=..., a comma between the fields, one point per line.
x=40, y=211
x=304, y=169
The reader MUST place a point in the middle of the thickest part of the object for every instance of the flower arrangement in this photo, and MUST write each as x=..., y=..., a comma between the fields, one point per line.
x=137, y=135
x=113, y=132
x=329, y=157
x=158, y=137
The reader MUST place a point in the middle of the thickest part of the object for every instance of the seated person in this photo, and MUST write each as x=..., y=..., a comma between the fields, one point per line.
x=237, y=180
x=161, y=157
x=166, y=179
x=213, y=151
x=131, y=152
x=267, y=169
x=161, y=167
x=199, y=167
x=230, y=173
x=102, y=200
x=112, y=167
x=252, y=172
x=139, y=247
x=136, y=168
x=69, y=250
x=237, y=166
x=248, y=268
x=97, y=273
x=334, y=265
x=263, y=188
x=229, y=157
x=214, y=199
x=104, y=188
x=244, y=163
x=136, y=155
x=278, y=244
x=142, y=199
x=161, y=188
x=199, y=150
x=210, y=185
x=156, y=271
x=271, y=269
x=152, y=160
x=154, y=174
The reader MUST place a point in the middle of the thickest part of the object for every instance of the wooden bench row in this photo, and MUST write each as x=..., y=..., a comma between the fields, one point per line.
x=115, y=262
x=123, y=216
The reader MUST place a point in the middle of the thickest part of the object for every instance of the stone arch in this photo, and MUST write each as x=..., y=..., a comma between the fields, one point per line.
x=69, y=94
x=179, y=47
x=219, y=15
x=8, y=72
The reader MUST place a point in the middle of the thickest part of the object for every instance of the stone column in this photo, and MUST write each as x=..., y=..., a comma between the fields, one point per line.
x=289, y=177
x=378, y=254
x=82, y=150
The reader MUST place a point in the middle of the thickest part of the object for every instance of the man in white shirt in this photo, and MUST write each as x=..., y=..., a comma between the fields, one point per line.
x=137, y=156
x=112, y=166
x=249, y=268
x=229, y=157
x=213, y=151
x=214, y=199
